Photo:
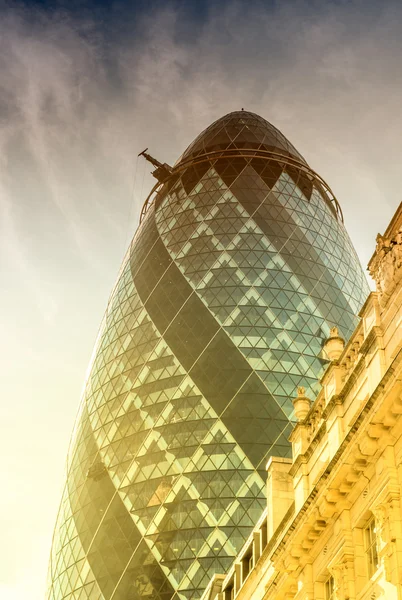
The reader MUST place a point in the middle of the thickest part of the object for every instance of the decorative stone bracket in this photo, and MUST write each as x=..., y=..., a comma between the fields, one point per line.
x=386, y=515
x=343, y=574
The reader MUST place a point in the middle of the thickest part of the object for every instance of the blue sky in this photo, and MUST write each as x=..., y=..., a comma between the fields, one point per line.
x=86, y=86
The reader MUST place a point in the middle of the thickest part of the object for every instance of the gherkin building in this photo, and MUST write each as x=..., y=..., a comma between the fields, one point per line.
x=239, y=268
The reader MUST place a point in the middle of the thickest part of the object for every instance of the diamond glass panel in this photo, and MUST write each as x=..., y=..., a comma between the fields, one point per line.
x=222, y=304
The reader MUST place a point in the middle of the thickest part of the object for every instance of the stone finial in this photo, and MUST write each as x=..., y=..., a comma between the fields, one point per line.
x=334, y=345
x=301, y=404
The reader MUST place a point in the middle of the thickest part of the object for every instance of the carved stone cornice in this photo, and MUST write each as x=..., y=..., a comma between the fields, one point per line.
x=294, y=545
x=328, y=499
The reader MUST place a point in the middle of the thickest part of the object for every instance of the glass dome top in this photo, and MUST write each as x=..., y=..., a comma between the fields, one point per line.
x=240, y=130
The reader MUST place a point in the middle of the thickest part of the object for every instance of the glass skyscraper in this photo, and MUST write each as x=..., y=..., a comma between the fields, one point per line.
x=238, y=270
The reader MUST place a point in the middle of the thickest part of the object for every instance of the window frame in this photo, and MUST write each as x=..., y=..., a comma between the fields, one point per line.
x=329, y=588
x=371, y=548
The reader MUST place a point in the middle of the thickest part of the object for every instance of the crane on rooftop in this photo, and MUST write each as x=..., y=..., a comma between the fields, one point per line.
x=162, y=171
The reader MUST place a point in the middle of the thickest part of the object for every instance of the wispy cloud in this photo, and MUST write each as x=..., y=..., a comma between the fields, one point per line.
x=76, y=106
x=81, y=96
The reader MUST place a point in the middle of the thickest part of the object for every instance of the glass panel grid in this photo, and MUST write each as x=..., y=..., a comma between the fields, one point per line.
x=219, y=313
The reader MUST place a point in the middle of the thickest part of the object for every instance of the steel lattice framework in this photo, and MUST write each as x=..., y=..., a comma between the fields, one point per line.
x=240, y=267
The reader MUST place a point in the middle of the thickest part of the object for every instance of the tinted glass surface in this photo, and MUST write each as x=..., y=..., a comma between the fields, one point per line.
x=223, y=302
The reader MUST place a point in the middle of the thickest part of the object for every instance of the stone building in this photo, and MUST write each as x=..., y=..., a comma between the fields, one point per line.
x=332, y=529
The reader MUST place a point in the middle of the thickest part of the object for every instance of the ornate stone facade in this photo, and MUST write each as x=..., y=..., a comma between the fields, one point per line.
x=332, y=529
x=386, y=265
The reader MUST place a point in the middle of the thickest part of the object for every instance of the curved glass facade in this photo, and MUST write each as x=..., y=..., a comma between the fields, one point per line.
x=230, y=286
